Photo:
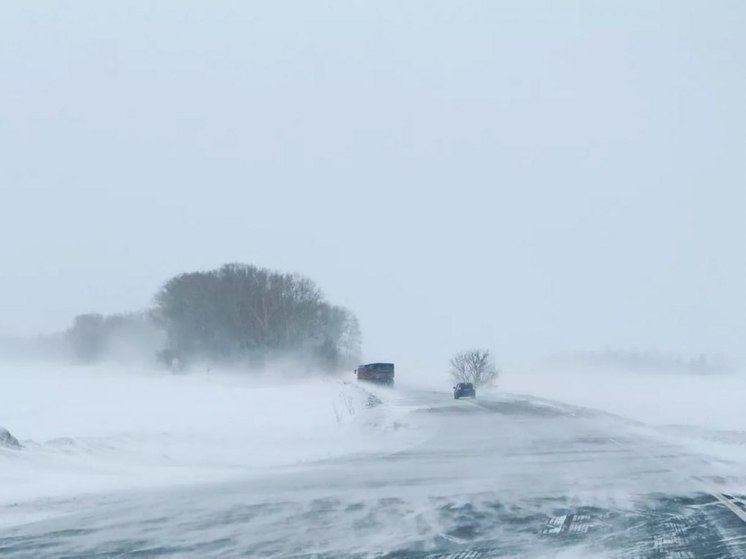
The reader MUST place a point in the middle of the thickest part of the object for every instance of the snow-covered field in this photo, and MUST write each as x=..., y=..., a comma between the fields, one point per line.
x=702, y=412
x=145, y=460
x=96, y=430
x=706, y=401
x=710, y=401
x=102, y=429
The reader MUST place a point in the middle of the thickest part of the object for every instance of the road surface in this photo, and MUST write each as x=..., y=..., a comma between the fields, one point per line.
x=497, y=477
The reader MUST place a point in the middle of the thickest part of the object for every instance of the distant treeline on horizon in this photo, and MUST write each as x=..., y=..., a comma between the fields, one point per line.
x=640, y=361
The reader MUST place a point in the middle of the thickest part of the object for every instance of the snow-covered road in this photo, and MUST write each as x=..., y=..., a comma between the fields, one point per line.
x=497, y=476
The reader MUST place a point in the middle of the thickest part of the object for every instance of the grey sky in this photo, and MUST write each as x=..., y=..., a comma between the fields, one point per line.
x=529, y=176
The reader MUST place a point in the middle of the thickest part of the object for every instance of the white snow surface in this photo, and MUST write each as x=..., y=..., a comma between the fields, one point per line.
x=102, y=441
x=103, y=429
x=706, y=401
x=704, y=413
x=701, y=412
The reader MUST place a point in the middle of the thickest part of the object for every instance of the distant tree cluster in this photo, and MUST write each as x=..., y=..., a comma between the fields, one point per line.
x=237, y=314
x=122, y=337
x=244, y=313
x=641, y=361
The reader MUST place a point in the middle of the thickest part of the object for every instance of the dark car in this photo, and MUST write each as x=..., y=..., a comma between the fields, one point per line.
x=464, y=390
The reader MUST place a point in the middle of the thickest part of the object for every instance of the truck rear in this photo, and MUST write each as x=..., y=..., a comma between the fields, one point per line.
x=379, y=373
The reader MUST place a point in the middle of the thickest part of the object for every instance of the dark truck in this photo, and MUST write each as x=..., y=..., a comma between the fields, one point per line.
x=380, y=373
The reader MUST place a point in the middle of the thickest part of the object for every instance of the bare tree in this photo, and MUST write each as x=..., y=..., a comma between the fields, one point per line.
x=476, y=366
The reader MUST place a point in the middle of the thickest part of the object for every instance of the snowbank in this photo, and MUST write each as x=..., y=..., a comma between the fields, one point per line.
x=88, y=430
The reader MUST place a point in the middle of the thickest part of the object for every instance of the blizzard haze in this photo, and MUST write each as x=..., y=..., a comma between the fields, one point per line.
x=558, y=183
x=531, y=177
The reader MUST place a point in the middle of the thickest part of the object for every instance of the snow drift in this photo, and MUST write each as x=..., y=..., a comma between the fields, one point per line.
x=100, y=429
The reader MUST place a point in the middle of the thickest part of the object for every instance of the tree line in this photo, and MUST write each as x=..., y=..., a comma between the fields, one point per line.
x=236, y=314
x=643, y=361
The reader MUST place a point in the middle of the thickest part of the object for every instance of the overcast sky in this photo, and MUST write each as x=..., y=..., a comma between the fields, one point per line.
x=527, y=176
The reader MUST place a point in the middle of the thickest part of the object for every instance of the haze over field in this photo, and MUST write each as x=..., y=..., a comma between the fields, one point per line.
x=531, y=177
